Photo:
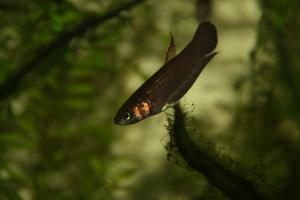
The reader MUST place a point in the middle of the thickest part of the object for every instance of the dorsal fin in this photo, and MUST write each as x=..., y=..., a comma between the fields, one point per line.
x=171, y=51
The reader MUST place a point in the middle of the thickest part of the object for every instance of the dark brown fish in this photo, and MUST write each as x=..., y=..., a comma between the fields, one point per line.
x=173, y=79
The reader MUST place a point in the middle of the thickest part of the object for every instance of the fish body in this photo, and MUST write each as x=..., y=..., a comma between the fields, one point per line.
x=173, y=79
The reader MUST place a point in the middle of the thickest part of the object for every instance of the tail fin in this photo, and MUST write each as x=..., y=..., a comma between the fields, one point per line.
x=206, y=37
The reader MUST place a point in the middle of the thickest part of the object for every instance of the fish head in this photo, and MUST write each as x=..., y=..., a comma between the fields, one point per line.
x=125, y=118
x=132, y=114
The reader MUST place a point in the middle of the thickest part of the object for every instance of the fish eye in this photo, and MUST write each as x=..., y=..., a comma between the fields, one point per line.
x=126, y=116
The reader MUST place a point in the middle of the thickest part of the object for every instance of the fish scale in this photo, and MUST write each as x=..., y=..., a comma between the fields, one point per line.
x=173, y=79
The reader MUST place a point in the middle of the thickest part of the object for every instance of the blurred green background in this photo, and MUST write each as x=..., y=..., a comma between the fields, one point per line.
x=66, y=66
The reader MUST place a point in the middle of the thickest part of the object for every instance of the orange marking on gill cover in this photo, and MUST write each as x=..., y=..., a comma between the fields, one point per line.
x=145, y=108
x=137, y=113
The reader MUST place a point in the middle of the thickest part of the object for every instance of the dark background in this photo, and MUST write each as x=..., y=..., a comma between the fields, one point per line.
x=67, y=66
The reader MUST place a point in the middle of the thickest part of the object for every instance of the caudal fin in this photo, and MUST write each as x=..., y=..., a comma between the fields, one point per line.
x=206, y=38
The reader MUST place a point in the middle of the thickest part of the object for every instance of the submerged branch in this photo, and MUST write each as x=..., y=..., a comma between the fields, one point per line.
x=13, y=81
x=201, y=156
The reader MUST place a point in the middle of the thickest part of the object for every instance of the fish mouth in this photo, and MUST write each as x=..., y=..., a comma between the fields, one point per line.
x=120, y=122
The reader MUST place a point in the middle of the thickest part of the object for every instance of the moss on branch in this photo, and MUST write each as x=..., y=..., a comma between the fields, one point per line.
x=200, y=154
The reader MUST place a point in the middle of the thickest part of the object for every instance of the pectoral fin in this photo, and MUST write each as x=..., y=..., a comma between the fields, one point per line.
x=171, y=51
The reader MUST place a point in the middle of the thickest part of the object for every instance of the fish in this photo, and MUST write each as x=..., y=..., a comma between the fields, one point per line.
x=173, y=79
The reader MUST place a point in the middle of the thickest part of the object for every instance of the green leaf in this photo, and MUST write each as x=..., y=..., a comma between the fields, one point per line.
x=77, y=103
x=26, y=125
x=8, y=193
x=80, y=89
